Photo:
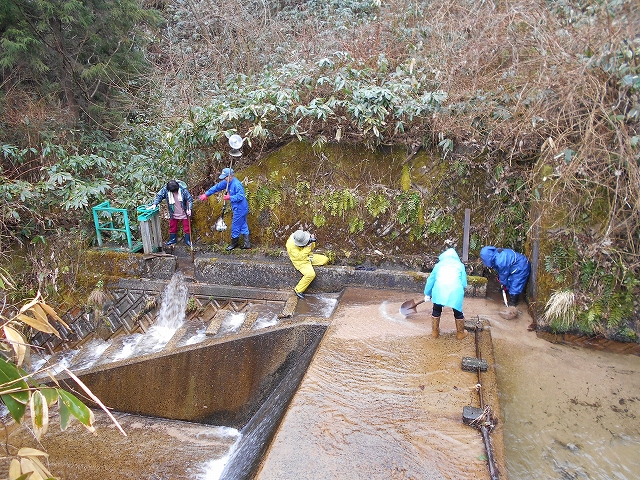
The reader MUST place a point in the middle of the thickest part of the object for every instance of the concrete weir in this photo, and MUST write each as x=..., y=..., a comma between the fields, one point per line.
x=339, y=385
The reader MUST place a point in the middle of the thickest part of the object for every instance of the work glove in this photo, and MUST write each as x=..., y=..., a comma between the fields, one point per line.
x=504, y=288
x=312, y=239
x=227, y=196
x=151, y=207
x=203, y=197
x=427, y=298
x=188, y=213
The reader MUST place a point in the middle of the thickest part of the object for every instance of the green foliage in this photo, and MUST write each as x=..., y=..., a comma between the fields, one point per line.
x=127, y=172
x=266, y=196
x=475, y=242
x=377, y=204
x=607, y=296
x=445, y=144
x=621, y=302
x=460, y=168
x=302, y=193
x=90, y=53
x=337, y=203
x=511, y=222
x=588, y=272
x=589, y=320
x=319, y=220
x=438, y=223
x=306, y=101
x=560, y=263
x=410, y=207
x=356, y=225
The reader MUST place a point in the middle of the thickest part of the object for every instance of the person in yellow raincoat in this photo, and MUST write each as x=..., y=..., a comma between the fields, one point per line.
x=300, y=245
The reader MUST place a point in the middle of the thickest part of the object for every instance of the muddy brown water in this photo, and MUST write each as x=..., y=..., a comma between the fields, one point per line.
x=383, y=400
x=568, y=412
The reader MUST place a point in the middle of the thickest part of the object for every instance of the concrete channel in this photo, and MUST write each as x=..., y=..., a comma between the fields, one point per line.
x=339, y=385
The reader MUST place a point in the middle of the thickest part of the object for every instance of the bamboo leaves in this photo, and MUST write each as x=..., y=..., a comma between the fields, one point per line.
x=27, y=465
x=14, y=391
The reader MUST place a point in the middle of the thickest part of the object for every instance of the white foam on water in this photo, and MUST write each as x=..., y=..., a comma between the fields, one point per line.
x=265, y=322
x=170, y=319
x=198, y=337
x=232, y=323
x=325, y=306
x=212, y=470
x=129, y=345
x=94, y=349
x=64, y=362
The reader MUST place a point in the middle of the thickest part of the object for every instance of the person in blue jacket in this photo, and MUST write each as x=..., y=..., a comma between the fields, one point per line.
x=445, y=287
x=234, y=193
x=179, y=204
x=513, y=270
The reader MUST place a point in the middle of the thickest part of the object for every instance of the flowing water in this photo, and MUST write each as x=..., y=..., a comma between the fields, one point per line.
x=371, y=396
x=170, y=317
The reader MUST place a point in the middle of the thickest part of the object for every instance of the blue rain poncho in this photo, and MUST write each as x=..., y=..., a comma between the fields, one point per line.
x=513, y=268
x=446, y=282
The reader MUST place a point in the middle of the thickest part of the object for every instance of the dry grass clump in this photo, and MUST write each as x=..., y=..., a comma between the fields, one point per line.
x=561, y=309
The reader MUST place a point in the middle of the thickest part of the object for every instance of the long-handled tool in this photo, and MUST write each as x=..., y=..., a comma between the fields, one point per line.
x=409, y=307
x=191, y=233
x=504, y=297
x=220, y=225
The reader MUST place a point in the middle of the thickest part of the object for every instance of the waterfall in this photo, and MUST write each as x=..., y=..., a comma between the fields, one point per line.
x=174, y=304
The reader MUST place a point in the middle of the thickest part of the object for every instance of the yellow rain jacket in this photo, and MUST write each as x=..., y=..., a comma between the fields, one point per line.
x=303, y=259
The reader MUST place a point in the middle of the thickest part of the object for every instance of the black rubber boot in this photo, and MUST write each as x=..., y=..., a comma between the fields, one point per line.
x=513, y=300
x=233, y=244
x=173, y=238
x=246, y=243
x=187, y=239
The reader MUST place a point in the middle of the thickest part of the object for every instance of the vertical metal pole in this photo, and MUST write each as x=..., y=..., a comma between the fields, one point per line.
x=465, y=235
x=96, y=222
x=127, y=229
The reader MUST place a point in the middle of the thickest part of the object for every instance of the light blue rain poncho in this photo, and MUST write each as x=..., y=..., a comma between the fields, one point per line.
x=446, y=282
x=513, y=268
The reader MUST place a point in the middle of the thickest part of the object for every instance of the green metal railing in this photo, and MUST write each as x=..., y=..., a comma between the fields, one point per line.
x=105, y=209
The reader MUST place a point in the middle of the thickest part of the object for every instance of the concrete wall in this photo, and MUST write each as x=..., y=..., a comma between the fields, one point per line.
x=329, y=278
x=219, y=383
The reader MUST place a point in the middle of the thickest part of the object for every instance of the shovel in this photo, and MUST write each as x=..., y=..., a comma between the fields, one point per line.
x=409, y=307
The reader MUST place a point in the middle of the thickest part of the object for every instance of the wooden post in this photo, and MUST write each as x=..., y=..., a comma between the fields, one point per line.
x=150, y=230
x=465, y=236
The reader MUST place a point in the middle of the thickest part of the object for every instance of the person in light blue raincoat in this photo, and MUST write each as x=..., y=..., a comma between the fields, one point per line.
x=445, y=288
x=513, y=270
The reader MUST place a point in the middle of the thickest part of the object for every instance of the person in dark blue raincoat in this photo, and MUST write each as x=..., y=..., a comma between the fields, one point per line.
x=445, y=287
x=234, y=193
x=513, y=270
